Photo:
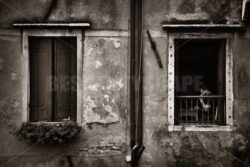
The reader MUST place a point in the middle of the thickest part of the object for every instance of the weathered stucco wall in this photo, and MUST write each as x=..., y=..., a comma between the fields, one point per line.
x=114, y=14
x=105, y=141
x=104, y=14
x=178, y=149
x=105, y=112
x=191, y=11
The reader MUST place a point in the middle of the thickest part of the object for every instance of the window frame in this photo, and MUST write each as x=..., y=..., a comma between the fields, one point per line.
x=78, y=33
x=228, y=81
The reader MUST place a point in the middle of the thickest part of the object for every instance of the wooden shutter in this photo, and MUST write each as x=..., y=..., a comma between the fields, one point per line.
x=52, y=78
x=40, y=53
x=221, y=82
x=65, y=74
x=221, y=69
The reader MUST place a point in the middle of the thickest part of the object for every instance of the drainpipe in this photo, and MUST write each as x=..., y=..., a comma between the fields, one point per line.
x=132, y=74
x=136, y=80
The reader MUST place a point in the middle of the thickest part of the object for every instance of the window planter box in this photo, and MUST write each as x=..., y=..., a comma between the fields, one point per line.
x=48, y=133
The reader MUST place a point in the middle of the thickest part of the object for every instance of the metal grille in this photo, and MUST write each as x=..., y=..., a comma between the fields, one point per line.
x=200, y=110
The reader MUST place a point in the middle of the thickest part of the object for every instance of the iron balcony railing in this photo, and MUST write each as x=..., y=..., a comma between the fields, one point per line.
x=200, y=110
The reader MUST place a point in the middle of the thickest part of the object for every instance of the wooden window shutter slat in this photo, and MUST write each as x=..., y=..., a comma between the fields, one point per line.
x=221, y=69
x=221, y=80
x=73, y=83
x=40, y=79
x=65, y=73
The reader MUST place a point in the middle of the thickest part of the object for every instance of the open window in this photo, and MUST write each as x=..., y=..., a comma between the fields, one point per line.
x=200, y=81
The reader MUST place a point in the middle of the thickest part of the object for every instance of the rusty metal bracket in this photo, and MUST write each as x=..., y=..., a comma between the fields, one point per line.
x=154, y=47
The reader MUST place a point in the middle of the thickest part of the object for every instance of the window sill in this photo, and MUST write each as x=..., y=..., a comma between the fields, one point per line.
x=44, y=122
x=57, y=25
x=50, y=123
x=202, y=26
x=205, y=128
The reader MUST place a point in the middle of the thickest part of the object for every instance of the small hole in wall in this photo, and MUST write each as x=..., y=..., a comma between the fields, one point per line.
x=230, y=116
x=170, y=116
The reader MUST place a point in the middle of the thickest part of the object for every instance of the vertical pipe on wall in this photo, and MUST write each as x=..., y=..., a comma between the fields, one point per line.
x=140, y=73
x=136, y=80
x=132, y=73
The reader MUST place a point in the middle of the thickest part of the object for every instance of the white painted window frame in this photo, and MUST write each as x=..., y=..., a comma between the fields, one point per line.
x=228, y=81
x=78, y=33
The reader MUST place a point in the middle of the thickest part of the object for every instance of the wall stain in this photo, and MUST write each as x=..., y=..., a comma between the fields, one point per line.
x=243, y=76
x=188, y=6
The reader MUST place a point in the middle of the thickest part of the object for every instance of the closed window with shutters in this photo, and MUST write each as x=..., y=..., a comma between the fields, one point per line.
x=53, y=86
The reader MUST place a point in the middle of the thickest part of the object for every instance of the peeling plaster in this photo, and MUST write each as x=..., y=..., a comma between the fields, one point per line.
x=97, y=106
x=117, y=44
x=91, y=117
x=98, y=64
x=106, y=18
x=94, y=113
x=104, y=93
x=89, y=51
x=106, y=98
x=107, y=108
x=13, y=76
x=115, y=85
x=93, y=87
x=119, y=83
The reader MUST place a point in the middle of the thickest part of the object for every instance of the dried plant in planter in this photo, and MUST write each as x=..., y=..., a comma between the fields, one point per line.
x=49, y=133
